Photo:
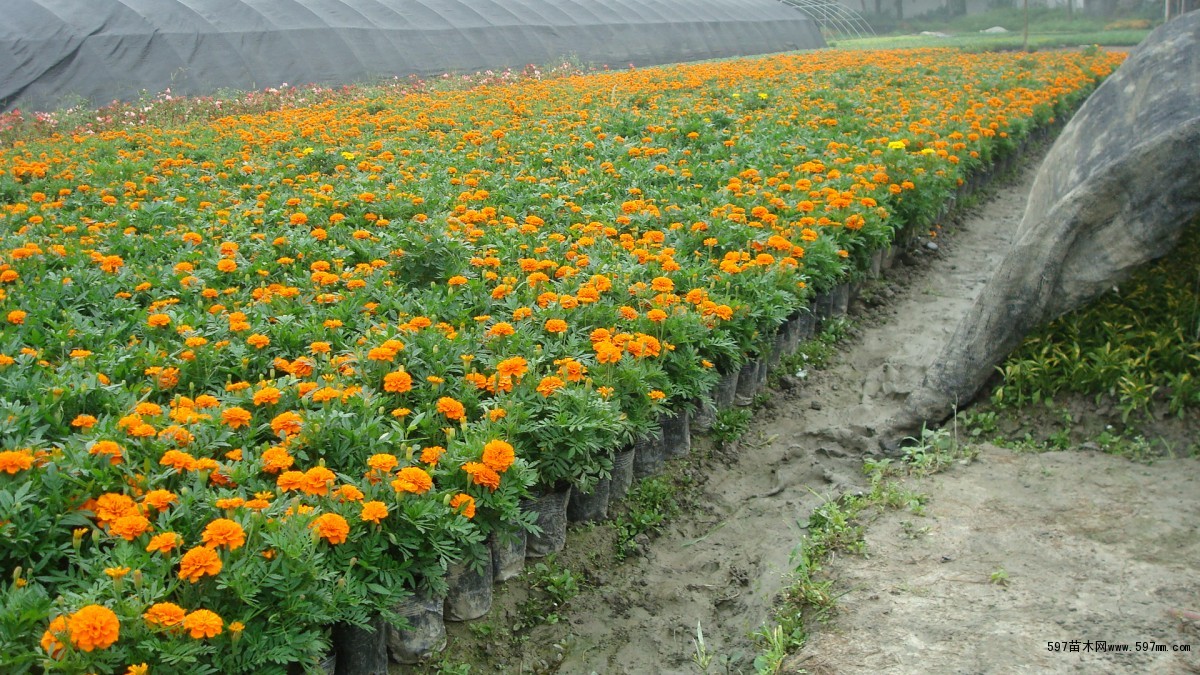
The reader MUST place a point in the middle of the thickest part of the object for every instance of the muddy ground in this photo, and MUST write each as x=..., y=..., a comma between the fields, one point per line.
x=1015, y=550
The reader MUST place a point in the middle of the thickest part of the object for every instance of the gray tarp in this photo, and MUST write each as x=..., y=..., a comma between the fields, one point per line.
x=114, y=49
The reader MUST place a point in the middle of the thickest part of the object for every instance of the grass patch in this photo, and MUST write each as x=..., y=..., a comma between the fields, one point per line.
x=649, y=505
x=1136, y=345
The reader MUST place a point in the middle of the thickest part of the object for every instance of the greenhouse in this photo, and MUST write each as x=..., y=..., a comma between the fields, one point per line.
x=56, y=51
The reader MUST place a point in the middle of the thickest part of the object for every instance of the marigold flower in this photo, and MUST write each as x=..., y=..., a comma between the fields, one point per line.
x=235, y=417
x=662, y=285
x=515, y=366
x=223, y=532
x=332, y=528
x=159, y=499
x=452, y=409
x=12, y=461
x=397, y=382
x=412, y=479
x=266, y=395
x=17, y=317
x=549, y=385
x=276, y=459
x=165, y=614
x=158, y=320
x=109, y=448
x=556, y=326
x=83, y=422
x=466, y=501
x=498, y=455
x=138, y=669
x=94, y=627
x=287, y=423
x=432, y=454
x=113, y=505
x=198, y=562
x=178, y=460
x=656, y=315
x=348, y=493
x=481, y=474
x=290, y=480
x=318, y=480
x=373, y=511
x=50, y=642
x=382, y=462
x=203, y=623
x=129, y=527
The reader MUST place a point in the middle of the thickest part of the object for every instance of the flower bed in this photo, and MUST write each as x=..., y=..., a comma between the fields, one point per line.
x=278, y=371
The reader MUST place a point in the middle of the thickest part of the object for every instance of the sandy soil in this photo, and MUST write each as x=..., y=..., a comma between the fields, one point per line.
x=1093, y=547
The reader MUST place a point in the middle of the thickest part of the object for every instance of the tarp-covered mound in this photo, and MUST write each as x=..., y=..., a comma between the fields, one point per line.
x=113, y=49
x=1115, y=191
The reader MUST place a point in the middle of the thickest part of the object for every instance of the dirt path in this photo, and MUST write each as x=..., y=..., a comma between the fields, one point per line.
x=1093, y=547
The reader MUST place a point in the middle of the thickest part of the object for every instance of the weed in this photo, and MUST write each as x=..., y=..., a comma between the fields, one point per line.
x=550, y=588
x=999, y=577
x=817, y=352
x=650, y=504
x=777, y=645
x=936, y=449
x=731, y=424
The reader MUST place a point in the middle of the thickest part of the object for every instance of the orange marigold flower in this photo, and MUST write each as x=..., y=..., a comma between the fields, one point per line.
x=93, y=627
x=515, y=366
x=318, y=480
x=432, y=454
x=662, y=285
x=235, y=417
x=373, y=511
x=556, y=326
x=138, y=669
x=163, y=543
x=17, y=317
x=276, y=459
x=266, y=395
x=482, y=475
x=287, y=423
x=348, y=493
x=466, y=501
x=83, y=422
x=382, y=462
x=203, y=623
x=113, y=505
x=223, y=532
x=412, y=479
x=198, y=562
x=50, y=639
x=656, y=395
x=12, y=461
x=258, y=341
x=130, y=527
x=332, y=528
x=159, y=499
x=158, y=320
x=452, y=409
x=457, y=280
x=498, y=455
x=290, y=480
x=549, y=385
x=178, y=460
x=165, y=614
x=397, y=382
x=656, y=315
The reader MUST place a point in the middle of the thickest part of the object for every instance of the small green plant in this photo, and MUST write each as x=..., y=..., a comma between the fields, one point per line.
x=936, y=449
x=650, y=504
x=817, y=352
x=701, y=656
x=999, y=577
x=551, y=586
x=777, y=644
x=731, y=424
